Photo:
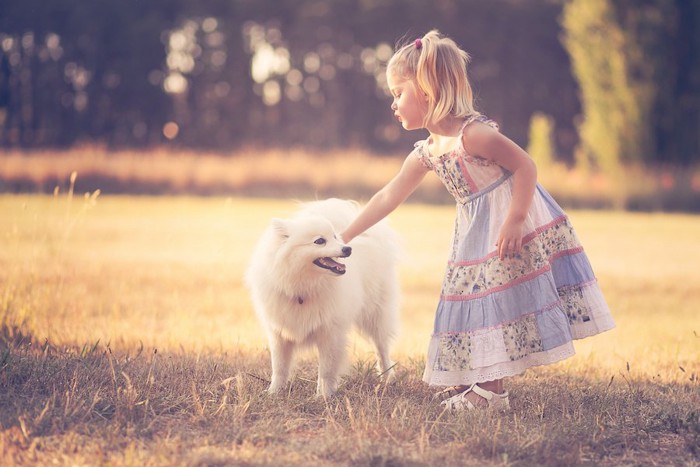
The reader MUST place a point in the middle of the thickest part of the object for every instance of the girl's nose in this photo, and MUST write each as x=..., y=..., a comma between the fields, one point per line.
x=394, y=106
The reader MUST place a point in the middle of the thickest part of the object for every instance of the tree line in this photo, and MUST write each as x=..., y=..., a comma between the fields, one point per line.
x=620, y=79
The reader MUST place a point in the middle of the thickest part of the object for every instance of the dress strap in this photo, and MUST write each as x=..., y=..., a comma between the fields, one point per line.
x=423, y=154
x=479, y=118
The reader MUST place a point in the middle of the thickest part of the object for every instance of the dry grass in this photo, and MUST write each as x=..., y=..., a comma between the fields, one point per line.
x=300, y=173
x=294, y=172
x=127, y=338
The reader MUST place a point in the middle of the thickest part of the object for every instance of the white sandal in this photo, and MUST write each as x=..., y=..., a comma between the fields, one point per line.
x=460, y=401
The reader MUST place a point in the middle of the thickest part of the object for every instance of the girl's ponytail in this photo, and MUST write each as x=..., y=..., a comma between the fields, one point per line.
x=441, y=73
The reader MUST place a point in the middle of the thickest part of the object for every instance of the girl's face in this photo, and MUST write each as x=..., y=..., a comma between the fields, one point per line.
x=410, y=105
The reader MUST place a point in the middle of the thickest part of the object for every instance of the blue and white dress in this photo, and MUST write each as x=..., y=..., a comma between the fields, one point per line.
x=496, y=318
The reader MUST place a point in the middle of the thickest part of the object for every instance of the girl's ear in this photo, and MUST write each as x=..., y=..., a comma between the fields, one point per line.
x=280, y=227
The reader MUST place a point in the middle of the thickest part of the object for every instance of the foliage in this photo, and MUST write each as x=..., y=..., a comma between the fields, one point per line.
x=540, y=141
x=221, y=74
x=620, y=52
x=117, y=72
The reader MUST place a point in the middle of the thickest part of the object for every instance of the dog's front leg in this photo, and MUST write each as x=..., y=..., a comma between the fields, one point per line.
x=281, y=354
x=385, y=363
x=332, y=355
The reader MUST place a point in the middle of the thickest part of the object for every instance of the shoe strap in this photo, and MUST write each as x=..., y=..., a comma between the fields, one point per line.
x=488, y=395
x=463, y=397
x=449, y=389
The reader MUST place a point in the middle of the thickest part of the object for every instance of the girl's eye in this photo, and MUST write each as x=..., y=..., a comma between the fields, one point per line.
x=320, y=241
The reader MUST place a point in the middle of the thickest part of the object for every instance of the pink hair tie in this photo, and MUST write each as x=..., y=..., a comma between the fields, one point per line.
x=419, y=44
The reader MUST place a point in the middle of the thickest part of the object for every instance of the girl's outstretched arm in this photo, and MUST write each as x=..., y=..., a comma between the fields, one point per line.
x=484, y=141
x=388, y=198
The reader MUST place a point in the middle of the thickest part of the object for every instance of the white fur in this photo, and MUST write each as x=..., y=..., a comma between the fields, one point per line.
x=300, y=304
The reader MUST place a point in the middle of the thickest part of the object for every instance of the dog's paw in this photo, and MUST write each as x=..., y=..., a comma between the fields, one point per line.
x=322, y=396
x=275, y=388
x=326, y=388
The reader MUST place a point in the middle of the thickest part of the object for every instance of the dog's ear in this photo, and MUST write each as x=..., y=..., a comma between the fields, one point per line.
x=279, y=226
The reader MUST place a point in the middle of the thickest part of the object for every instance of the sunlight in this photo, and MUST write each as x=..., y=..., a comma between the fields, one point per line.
x=167, y=273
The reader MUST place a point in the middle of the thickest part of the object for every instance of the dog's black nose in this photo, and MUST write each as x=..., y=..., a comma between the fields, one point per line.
x=347, y=250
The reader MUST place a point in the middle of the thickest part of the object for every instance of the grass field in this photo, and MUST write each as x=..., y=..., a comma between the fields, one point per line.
x=127, y=338
x=294, y=172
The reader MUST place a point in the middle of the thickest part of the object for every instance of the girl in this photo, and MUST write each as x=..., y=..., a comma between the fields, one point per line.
x=518, y=287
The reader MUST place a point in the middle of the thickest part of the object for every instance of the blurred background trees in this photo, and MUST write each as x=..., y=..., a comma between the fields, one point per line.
x=637, y=63
x=609, y=81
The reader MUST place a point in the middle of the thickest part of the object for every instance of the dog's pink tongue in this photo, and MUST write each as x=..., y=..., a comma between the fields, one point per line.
x=330, y=263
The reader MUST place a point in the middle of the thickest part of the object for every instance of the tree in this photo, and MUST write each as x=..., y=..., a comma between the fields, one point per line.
x=540, y=142
x=620, y=55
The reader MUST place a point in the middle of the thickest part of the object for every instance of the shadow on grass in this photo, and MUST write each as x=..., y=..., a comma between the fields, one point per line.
x=90, y=403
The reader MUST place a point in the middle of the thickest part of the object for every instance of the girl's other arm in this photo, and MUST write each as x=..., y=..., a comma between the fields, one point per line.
x=488, y=143
x=388, y=198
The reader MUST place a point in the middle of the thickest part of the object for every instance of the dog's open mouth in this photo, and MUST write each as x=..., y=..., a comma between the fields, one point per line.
x=330, y=264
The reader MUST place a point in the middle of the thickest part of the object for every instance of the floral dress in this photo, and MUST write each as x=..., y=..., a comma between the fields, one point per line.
x=496, y=318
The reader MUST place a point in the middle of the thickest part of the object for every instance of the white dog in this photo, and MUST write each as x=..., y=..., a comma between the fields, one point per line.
x=303, y=295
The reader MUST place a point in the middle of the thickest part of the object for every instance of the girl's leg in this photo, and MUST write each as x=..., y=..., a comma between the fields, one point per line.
x=495, y=386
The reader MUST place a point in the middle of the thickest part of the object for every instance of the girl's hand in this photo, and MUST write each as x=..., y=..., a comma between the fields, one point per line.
x=510, y=239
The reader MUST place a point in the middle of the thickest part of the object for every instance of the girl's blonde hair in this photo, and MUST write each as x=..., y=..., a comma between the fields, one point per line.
x=439, y=68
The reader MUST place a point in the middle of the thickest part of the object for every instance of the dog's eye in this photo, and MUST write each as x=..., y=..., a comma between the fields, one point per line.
x=320, y=241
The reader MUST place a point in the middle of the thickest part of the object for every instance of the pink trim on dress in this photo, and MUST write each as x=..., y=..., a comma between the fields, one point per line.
x=570, y=251
x=526, y=239
x=473, y=187
x=513, y=283
x=543, y=228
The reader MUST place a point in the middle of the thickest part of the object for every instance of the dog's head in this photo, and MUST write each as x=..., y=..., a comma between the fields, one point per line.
x=310, y=241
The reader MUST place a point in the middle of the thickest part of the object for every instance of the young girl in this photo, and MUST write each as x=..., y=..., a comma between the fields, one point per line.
x=518, y=287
